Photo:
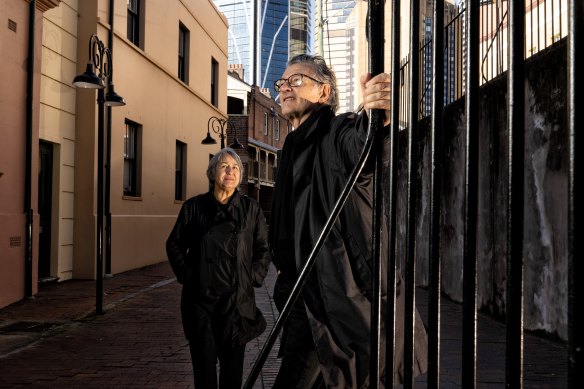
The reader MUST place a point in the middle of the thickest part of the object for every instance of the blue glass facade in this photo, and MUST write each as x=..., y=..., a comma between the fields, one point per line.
x=274, y=26
x=274, y=37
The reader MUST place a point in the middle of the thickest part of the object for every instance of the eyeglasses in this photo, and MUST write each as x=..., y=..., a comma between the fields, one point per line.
x=294, y=81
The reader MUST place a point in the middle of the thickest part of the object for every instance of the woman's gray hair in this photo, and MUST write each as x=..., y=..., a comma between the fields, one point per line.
x=323, y=73
x=217, y=159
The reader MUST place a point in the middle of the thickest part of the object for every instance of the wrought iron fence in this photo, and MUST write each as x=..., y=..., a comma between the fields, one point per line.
x=545, y=24
x=466, y=63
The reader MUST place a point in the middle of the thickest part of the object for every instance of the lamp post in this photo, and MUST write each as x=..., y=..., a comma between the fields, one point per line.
x=100, y=58
x=219, y=126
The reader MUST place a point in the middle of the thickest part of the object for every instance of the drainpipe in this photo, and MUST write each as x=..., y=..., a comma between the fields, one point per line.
x=108, y=152
x=28, y=154
x=321, y=31
x=256, y=43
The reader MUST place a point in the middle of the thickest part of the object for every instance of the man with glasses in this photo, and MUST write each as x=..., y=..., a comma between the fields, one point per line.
x=326, y=339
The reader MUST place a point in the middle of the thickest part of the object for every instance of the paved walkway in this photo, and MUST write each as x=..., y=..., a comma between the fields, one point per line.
x=56, y=341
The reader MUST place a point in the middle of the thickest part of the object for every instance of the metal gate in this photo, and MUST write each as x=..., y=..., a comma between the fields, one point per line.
x=452, y=63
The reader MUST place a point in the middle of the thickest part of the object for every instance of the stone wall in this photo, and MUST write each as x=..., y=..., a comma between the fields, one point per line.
x=545, y=197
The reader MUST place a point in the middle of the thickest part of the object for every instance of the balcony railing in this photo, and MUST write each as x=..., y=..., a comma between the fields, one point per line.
x=265, y=173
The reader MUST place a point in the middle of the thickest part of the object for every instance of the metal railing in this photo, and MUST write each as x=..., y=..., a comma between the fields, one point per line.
x=406, y=116
x=545, y=24
x=263, y=171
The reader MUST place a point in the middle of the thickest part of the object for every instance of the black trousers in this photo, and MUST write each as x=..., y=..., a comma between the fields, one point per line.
x=300, y=368
x=214, y=326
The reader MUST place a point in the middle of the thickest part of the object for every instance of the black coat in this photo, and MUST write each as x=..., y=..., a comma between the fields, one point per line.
x=317, y=159
x=187, y=255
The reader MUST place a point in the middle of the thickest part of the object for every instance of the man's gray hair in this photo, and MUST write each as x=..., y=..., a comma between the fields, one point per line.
x=322, y=73
x=220, y=157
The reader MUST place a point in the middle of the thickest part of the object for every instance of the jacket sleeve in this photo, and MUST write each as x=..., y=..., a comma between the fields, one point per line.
x=261, y=252
x=351, y=137
x=177, y=245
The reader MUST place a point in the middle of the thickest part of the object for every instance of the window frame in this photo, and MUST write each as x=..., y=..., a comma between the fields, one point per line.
x=135, y=22
x=180, y=171
x=132, y=161
x=214, y=82
x=183, y=53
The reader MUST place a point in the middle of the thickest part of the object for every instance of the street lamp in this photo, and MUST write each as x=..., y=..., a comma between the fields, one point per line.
x=100, y=58
x=219, y=127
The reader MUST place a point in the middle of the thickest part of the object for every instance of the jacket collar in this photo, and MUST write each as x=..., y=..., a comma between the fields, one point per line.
x=314, y=125
x=233, y=200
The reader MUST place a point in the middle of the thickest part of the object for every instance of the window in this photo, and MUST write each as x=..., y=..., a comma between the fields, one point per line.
x=277, y=130
x=132, y=159
x=265, y=123
x=214, y=82
x=180, y=171
x=183, y=53
x=135, y=22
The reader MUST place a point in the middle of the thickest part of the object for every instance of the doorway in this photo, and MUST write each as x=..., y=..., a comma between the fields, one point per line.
x=45, y=210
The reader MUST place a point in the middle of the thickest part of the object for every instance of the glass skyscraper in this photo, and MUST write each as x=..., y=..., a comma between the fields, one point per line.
x=277, y=20
x=332, y=42
x=301, y=22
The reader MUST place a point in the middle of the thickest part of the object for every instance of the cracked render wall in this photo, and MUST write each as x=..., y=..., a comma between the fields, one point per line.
x=545, y=198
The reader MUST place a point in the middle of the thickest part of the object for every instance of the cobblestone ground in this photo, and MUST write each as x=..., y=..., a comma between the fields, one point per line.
x=54, y=340
x=137, y=343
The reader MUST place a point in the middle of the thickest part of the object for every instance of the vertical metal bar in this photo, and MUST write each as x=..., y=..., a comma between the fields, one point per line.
x=99, y=211
x=575, y=221
x=552, y=20
x=407, y=101
x=376, y=19
x=494, y=34
x=108, y=153
x=455, y=67
x=491, y=40
x=485, y=37
x=447, y=64
x=460, y=60
x=471, y=197
x=496, y=37
x=452, y=59
x=538, y=23
x=560, y=18
x=107, y=202
x=516, y=123
x=482, y=25
x=28, y=210
x=410, y=267
x=435, y=191
x=375, y=335
x=393, y=165
x=453, y=56
x=531, y=12
x=545, y=7
x=499, y=41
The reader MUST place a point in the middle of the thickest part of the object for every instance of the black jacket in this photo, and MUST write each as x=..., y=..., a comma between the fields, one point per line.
x=316, y=161
x=186, y=252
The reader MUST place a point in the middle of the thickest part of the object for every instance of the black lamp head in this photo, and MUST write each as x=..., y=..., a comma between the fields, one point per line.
x=112, y=99
x=209, y=140
x=88, y=79
x=236, y=144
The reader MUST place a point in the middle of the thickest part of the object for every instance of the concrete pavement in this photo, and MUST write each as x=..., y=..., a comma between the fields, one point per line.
x=56, y=341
